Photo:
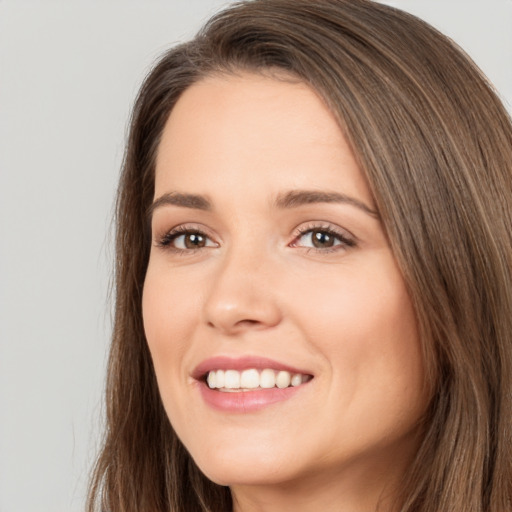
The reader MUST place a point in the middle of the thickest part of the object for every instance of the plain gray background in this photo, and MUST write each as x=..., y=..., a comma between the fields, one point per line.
x=69, y=71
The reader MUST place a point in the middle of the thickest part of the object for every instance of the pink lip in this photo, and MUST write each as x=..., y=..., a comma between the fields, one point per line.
x=244, y=401
x=240, y=364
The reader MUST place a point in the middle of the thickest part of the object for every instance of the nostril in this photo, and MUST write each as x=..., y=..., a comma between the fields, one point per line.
x=247, y=322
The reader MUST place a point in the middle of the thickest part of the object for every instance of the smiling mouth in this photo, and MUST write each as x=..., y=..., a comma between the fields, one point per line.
x=252, y=379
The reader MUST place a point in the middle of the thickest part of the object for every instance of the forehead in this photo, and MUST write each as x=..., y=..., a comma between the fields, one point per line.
x=254, y=130
x=246, y=103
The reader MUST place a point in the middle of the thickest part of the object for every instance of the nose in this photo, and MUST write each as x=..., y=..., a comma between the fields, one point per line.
x=242, y=295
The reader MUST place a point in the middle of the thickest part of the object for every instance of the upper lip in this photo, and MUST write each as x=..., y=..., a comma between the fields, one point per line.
x=242, y=363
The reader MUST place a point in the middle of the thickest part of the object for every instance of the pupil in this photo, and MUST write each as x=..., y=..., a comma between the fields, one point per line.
x=194, y=240
x=322, y=239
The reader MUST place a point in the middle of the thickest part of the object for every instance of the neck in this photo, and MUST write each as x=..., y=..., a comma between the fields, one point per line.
x=329, y=493
x=359, y=486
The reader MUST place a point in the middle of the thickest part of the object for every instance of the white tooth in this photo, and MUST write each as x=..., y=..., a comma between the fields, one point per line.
x=296, y=379
x=211, y=379
x=232, y=379
x=250, y=379
x=283, y=379
x=267, y=378
x=219, y=379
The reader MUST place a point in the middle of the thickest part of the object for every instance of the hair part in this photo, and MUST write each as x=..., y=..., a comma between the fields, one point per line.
x=435, y=144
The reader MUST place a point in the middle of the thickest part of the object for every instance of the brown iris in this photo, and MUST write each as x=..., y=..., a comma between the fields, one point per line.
x=194, y=241
x=321, y=239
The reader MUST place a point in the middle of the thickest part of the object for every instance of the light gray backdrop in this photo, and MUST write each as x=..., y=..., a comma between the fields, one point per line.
x=69, y=71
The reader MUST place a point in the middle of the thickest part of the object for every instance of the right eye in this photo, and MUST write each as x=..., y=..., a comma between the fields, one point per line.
x=184, y=239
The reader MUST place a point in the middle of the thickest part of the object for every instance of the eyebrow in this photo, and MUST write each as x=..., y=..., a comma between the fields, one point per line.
x=291, y=199
x=193, y=201
x=296, y=198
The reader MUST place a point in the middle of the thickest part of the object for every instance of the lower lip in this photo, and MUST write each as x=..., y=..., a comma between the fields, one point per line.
x=246, y=401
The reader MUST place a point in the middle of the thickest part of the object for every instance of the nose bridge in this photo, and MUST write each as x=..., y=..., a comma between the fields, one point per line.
x=240, y=295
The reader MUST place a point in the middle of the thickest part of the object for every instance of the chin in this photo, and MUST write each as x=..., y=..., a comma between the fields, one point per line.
x=246, y=465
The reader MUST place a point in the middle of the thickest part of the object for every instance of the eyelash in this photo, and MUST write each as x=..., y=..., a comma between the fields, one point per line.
x=345, y=241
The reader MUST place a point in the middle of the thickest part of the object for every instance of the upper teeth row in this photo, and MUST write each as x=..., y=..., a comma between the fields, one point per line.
x=252, y=379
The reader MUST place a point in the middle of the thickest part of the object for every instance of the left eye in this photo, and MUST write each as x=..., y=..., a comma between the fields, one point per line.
x=322, y=239
x=319, y=239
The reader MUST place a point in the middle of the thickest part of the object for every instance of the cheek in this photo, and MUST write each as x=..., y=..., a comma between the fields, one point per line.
x=168, y=316
x=362, y=321
x=167, y=313
x=367, y=303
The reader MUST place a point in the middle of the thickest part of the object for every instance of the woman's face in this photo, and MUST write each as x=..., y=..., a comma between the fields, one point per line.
x=269, y=262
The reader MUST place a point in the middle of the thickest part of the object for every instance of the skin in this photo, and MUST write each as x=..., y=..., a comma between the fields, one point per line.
x=259, y=287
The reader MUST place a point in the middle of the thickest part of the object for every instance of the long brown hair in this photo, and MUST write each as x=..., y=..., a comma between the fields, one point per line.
x=435, y=144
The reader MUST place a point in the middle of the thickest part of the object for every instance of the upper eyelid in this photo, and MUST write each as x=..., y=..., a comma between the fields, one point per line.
x=183, y=228
x=325, y=226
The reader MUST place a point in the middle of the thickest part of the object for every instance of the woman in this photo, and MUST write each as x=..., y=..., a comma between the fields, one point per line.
x=314, y=242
